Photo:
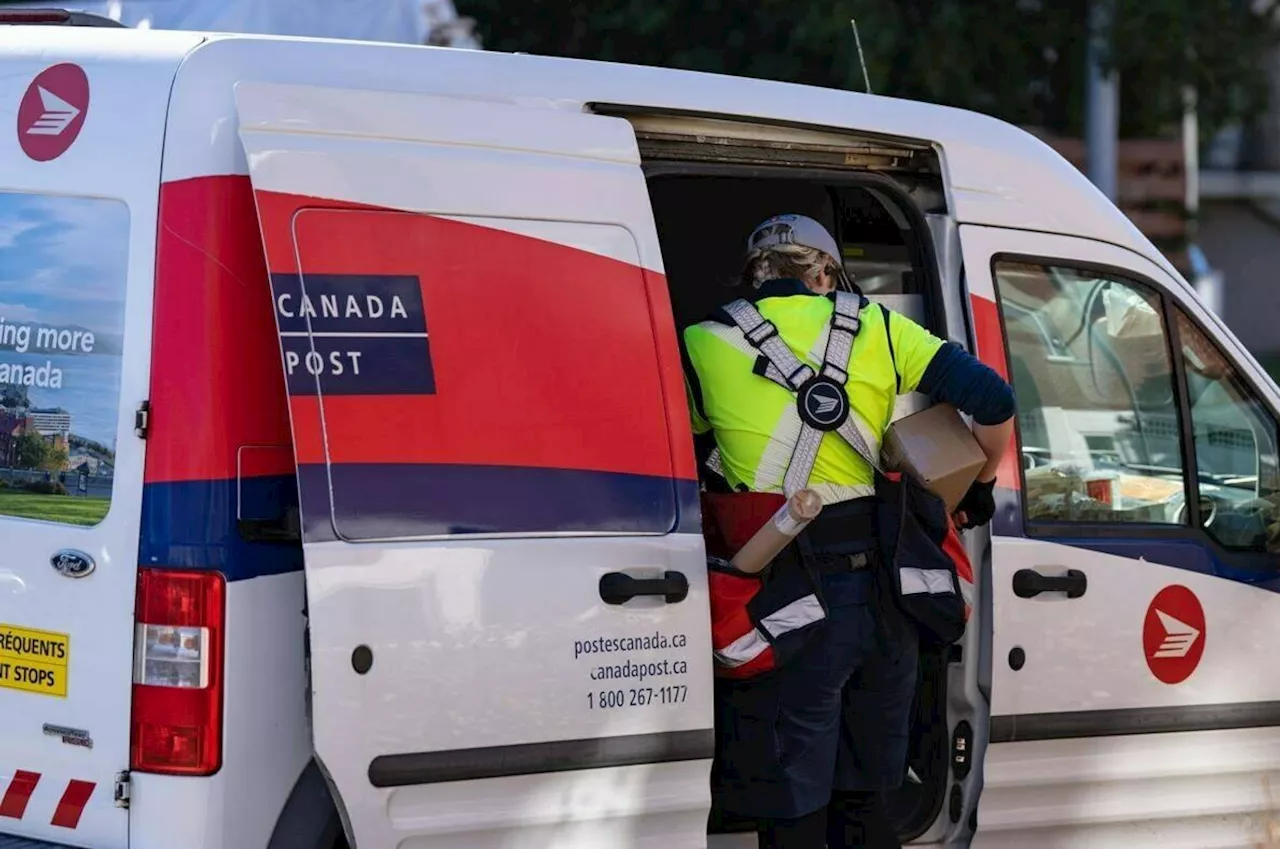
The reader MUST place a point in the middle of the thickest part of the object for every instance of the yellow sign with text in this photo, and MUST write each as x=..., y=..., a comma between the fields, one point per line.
x=34, y=661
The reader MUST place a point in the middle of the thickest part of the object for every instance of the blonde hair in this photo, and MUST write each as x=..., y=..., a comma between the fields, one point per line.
x=786, y=261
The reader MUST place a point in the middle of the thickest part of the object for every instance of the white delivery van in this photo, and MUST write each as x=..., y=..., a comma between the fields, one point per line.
x=348, y=492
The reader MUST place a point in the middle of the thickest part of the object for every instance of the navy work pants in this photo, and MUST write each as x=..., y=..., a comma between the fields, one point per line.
x=851, y=821
x=832, y=721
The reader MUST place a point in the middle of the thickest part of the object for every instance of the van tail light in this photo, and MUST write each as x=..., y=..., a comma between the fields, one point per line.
x=55, y=16
x=177, y=672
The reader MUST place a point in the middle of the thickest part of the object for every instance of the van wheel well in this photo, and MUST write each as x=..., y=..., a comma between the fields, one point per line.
x=309, y=819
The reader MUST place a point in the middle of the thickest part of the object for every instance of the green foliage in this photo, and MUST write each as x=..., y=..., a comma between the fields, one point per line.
x=1224, y=55
x=1021, y=60
x=96, y=449
x=35, y=452
x=54, y=508
x=31, y=451
x=13, y=397
x=55, y=458
x=1272, y=365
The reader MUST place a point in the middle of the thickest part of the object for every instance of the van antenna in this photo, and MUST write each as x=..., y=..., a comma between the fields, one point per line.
x=862, y=59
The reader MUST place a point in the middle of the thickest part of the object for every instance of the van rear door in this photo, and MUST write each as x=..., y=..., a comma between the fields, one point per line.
x=505, y=574
x=79, y=164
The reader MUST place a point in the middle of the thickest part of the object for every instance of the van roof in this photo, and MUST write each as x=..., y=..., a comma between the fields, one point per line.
x=996, y=173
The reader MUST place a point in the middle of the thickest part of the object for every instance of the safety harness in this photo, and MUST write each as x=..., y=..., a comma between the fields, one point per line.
x=821, y=398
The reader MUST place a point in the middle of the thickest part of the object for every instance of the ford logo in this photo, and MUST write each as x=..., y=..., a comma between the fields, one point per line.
x=72, y=564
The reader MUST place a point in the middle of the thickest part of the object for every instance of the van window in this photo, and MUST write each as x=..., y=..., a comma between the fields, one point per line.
x=1235, y=443
x=63, y=263
x=1097, y=412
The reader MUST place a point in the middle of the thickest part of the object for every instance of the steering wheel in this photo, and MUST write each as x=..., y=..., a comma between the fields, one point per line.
x=1208, y=511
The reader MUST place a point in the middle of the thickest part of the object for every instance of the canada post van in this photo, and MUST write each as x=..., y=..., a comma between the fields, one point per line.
x=348, y=494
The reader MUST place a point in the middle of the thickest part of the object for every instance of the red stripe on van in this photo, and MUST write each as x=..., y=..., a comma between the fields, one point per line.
x=14, y=803
x=216, y=379
x=989, y=336
x=71, y=805
x=495, y=301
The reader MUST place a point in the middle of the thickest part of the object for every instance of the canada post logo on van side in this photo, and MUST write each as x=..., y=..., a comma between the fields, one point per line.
x=52, y=111
x=353, y=334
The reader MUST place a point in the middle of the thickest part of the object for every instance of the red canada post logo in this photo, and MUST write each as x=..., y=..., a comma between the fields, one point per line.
x=53, y=111
x=1173, y=634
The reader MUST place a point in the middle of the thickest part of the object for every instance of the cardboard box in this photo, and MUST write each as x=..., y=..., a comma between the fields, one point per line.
x=937, y=448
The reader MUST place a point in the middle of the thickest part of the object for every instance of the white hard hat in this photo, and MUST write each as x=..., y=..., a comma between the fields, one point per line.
x=793, y=230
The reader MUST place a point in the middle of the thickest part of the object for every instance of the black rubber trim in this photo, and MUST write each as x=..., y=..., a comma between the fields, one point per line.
x=1075, y=725
x=536, y=758
x=888, y=335
x=8, y=842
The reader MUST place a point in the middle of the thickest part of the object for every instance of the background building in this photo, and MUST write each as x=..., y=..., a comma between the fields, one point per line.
x=50, y=421
x=1239, y=224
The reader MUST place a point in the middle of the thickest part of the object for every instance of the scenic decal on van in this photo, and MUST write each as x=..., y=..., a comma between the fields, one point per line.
x=63, y=262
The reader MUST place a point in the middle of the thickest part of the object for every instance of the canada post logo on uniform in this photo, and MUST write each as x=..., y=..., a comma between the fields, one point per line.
x=345, y=334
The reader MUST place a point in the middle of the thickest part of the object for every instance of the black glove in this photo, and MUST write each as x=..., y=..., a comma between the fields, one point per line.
x=978, y=505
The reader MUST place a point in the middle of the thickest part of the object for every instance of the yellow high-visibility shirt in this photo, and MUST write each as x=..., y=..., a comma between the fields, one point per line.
x=755, y=421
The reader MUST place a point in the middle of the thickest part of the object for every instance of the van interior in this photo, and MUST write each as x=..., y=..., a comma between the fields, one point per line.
x=705, y=207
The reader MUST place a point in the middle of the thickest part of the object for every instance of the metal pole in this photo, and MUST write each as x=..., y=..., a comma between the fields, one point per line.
x=1208, y=281
x=862, y=59
x=1102, y=103
x=1191, y=151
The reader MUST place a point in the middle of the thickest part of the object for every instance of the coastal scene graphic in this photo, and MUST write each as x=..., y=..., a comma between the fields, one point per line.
x=63, y=273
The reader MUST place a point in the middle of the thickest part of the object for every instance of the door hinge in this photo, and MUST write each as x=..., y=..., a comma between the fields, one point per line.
x=142, y=419
x=122, y=789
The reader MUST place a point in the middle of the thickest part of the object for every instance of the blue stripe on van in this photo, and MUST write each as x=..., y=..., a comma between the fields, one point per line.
x=192, y=525
x=1189, y=554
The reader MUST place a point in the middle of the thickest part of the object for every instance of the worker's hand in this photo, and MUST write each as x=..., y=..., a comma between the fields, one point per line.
x=978, y=505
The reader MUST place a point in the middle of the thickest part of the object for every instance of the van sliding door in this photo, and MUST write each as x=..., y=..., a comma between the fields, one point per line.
x=505, y=573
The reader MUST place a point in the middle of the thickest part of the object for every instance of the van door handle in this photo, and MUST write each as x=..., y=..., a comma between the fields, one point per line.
x=1028, y=583
x=619, y=588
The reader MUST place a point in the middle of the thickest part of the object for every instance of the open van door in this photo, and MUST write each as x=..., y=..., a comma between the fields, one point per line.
x=506, y=589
